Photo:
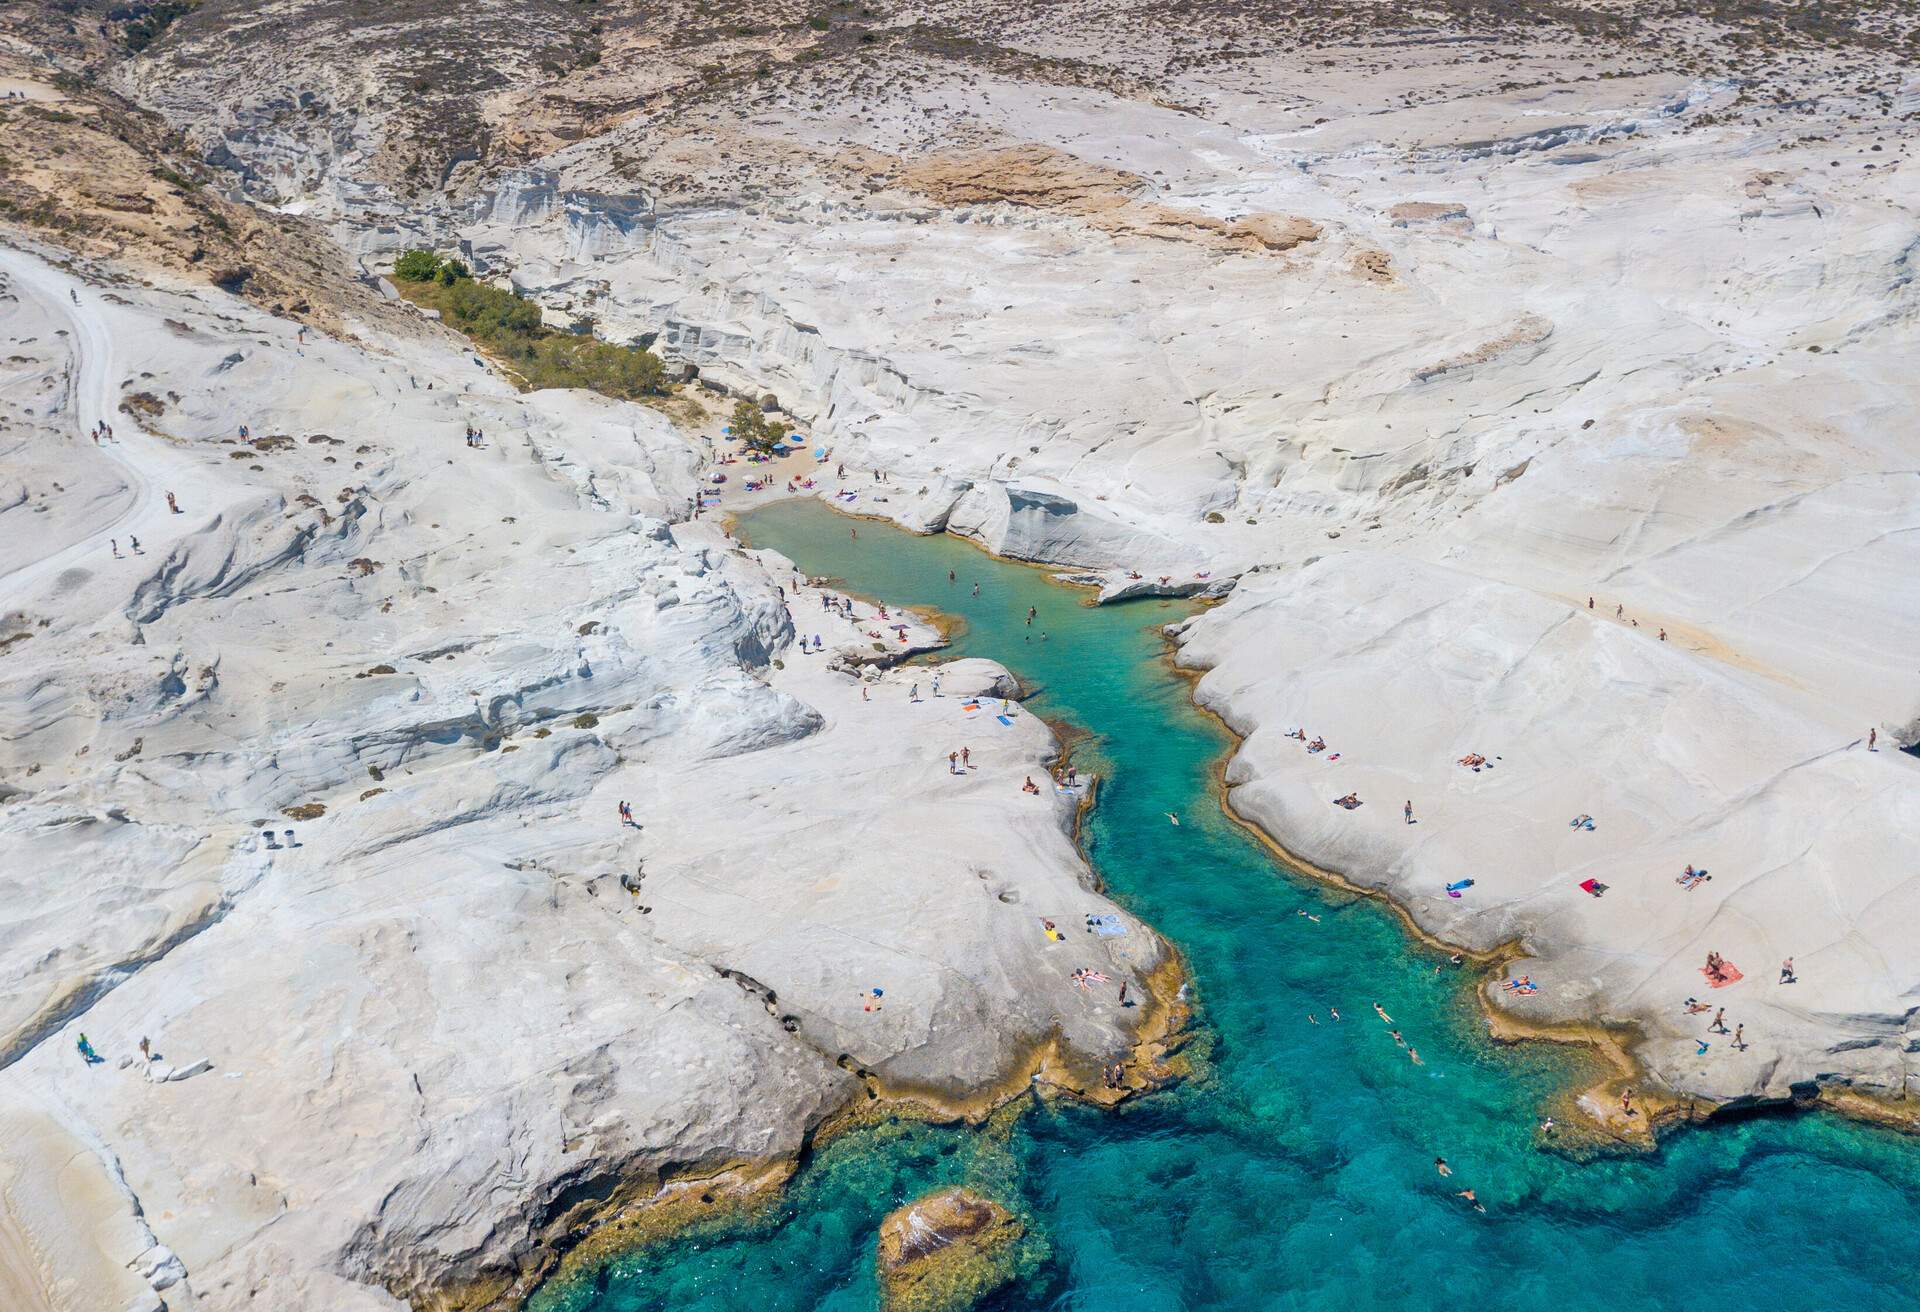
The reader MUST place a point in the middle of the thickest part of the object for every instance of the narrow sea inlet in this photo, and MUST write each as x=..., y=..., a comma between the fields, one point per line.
x=1297, y=1169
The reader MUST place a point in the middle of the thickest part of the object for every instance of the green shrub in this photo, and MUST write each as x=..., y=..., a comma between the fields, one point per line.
x=509, y=326
x=144, y=30
x=417, y=266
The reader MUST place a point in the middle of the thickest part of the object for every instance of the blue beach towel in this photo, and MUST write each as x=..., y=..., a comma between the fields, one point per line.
x=1004, y=720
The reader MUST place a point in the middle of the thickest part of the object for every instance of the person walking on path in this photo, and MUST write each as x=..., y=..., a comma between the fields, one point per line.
x=173, y=505
x=1873, y=737
x=1409, y=810
x=1740, y=1037
x=913, y=693
x=1719, y=1025
x=115, y=544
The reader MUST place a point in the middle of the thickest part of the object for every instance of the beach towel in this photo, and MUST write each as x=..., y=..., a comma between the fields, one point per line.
x=1729, y=974
x=1106, y=926
x=1004, y=720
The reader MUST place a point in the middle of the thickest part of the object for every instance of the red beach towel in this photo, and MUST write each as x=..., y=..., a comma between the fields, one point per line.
x=1729, y=974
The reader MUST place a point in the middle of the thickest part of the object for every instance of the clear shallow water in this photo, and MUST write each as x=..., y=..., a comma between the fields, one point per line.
x=1297, y=1171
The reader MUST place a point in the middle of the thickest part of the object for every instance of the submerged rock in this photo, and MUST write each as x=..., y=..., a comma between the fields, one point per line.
x=947, y=1251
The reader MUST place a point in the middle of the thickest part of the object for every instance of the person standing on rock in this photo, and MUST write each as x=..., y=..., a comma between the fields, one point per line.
x=1740, y=1037
x=172, y=505
x=1719, y=1025
x=913, y=692
x=953, y=763
x=1408, y=809
x=1786, y=972
x=115, y=544
x=1873, y=737
x=966, y=757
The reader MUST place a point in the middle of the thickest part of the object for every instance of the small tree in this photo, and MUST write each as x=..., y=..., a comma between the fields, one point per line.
x=750, y=426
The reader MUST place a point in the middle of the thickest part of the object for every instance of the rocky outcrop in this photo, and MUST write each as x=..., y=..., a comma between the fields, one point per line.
x=946, y=1252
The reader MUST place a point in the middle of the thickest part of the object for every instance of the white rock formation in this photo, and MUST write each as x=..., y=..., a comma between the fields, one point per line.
x=316, y=789
x=1415, y=343
x=1608, y=339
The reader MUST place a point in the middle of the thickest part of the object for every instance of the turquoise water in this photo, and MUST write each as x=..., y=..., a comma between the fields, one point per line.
x=1296, y=1171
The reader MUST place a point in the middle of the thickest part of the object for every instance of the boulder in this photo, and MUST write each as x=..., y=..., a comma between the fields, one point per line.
x=946, y=1252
